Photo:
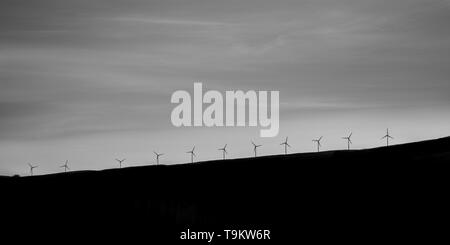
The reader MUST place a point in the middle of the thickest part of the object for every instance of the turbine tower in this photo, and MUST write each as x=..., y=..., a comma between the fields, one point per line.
x=285, y=143
x=318, y=143
x=255, y=146
x=224, y=151
x=120, y=162
x=157, y=157
x=387, y=136
x=192, y=154
x=349, y=141
x=66, y=166
x=31, y=168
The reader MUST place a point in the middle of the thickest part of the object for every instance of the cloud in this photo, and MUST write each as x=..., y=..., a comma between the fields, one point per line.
x=71, y=69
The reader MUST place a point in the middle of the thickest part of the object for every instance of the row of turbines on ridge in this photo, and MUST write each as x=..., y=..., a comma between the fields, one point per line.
x=224, y=151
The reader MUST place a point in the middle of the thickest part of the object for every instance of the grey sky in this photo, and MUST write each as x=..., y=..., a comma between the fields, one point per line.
x=80, y=78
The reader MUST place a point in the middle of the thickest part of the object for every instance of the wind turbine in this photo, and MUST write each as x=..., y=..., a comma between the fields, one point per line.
x=318, y=143
x=255, y=146
x=157, y=157
x=65, y=166
x=285, y=143
x=349, y=141
x=224, y=150
x=387, y=136
x=120, y=162
x=31, y=168
x=192, y=154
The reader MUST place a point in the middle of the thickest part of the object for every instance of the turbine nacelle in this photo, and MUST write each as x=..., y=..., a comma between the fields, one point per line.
x=65, y=166
x=349, y=141
x=255, y=147
x=192, y=154
x=120, y=162
x=32, y=167
x=224, y=150
x=387, y=137
x=318, y=143
x=286, y=144
x=157, y=156
x=318, y=140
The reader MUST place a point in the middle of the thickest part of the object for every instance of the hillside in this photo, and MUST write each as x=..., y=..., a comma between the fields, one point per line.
x=373, y=193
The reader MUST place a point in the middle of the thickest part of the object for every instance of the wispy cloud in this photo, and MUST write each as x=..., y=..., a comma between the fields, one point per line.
x=73, y=69
x=180, y=22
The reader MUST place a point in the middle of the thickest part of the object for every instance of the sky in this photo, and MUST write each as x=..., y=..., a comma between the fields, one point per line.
x=91, y=81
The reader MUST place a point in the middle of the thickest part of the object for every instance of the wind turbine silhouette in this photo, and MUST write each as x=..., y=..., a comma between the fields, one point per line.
x=157, y=157
x=318, y=143
x=224, y=150
x=285, y=143
x=31, y=168
x=255, y=146
x=65, y=166
x=192, y=154
x=387, y=136
x=349, y=141
x=120, y=162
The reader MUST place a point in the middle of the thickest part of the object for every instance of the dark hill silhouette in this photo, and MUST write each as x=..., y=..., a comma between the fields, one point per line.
x=338, y=195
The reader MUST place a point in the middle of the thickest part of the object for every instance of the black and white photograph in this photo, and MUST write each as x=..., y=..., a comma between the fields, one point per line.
x=224, y=121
